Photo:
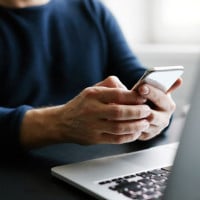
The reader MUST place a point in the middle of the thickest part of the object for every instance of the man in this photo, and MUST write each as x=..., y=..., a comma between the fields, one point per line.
x=54, y=55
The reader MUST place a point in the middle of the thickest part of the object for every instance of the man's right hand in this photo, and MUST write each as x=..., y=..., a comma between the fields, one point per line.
x=104, y=113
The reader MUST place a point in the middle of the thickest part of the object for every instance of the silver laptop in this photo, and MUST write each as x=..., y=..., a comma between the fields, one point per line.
x=145, y=174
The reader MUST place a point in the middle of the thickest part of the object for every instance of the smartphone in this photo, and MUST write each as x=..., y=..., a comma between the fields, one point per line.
x=161, y=77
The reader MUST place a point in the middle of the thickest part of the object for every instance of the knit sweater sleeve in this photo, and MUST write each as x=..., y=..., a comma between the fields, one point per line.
x=122, y=61
x=10, y=120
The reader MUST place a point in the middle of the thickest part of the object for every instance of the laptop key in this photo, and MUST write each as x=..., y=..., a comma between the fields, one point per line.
x=148, y=185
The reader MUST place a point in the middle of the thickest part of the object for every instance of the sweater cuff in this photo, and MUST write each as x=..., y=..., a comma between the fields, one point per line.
x=10, y=128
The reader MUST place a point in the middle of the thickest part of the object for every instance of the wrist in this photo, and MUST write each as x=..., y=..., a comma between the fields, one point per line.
x=40, y=127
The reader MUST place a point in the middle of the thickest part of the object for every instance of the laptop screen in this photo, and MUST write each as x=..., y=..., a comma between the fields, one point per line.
x=184, y=181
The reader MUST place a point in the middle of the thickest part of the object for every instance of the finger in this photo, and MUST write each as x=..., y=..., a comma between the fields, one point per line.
x=113, y=95
x=157, y=97
x=112, y=82
x=124, y=127
x=158, y=118
x=153, y=131
x=177, y=84
x=118, y=139
x=120, y=96
x=124, y=112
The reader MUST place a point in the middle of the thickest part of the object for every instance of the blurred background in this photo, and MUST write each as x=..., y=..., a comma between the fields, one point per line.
x=162, y=33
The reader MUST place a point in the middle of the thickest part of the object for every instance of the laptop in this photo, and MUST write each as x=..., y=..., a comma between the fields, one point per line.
x=168, y=172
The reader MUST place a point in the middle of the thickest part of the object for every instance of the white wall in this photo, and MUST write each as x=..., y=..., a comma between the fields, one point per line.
x=176, y=21
x=131, y=15
x=158, y=21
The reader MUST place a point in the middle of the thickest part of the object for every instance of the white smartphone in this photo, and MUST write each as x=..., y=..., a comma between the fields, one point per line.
x=161, y=77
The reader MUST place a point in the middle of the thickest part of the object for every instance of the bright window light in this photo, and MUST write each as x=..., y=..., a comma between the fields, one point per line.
x=182, y=13
x=158, y=21
x=177, y=21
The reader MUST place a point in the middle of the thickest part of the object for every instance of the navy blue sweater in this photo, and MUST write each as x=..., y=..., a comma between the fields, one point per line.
x=49, y=53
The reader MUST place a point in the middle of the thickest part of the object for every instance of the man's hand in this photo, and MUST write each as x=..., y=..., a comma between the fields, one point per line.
x=163, y=108
x=104, y=113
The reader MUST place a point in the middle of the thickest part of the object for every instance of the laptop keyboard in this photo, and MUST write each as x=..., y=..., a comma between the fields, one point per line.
x=148, y=185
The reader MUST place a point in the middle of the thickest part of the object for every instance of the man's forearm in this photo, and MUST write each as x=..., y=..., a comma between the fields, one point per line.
x=39, y=127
